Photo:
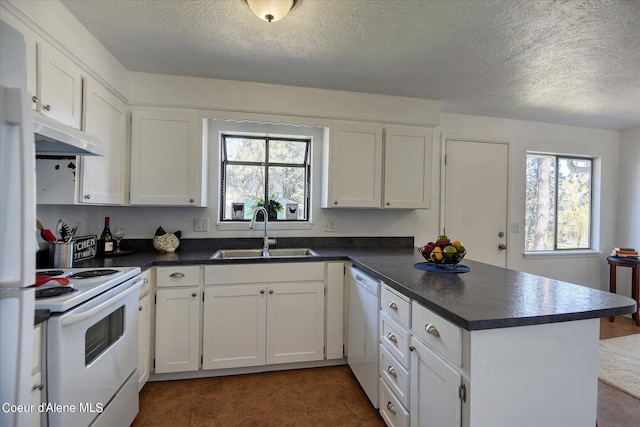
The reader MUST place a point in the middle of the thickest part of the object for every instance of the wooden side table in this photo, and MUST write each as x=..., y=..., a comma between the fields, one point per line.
x=614, y=262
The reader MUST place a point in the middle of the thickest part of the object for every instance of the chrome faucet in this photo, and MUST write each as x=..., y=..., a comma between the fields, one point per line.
x=252, y=225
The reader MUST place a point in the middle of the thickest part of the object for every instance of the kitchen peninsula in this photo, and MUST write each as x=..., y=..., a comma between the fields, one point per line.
x=527, y=346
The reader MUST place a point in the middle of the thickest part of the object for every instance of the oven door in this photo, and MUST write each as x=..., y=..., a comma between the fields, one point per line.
x=92, y=351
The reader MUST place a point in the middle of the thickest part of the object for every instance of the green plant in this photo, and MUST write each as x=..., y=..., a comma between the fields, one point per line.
x=272, y=205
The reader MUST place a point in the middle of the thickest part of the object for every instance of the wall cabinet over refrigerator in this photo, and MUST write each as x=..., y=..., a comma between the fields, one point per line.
x=371, y=165
x=167, y=158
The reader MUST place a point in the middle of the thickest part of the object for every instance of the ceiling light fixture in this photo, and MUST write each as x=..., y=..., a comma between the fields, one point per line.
x=271, y=10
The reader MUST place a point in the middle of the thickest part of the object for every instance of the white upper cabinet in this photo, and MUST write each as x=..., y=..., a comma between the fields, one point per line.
x=355, y=164
x=59, y=86
x=407, y=167
x=103, y=179
x=167, y=158
x=370, y=165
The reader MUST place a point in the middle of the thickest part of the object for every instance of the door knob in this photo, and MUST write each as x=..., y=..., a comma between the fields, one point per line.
x=502, y=246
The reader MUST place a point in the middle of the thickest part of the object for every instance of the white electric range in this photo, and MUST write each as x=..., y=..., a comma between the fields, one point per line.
x=92, y=345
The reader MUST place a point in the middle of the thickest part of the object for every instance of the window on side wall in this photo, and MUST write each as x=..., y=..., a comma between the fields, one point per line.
x=256, y=169
x=559, y=198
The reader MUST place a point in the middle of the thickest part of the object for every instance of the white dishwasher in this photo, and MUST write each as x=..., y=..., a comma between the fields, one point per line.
x=363, y=336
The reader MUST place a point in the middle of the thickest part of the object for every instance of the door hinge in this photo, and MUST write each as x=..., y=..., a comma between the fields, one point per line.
x=202, y=360
x=155, y=299
x=154, y=363
x=462, y=392
x=343, y=349
x=445, y=159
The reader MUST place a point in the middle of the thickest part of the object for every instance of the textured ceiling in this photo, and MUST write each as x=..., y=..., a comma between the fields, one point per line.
x=574, y=62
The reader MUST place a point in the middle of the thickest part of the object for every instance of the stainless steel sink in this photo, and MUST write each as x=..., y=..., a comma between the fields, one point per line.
x=257, y=253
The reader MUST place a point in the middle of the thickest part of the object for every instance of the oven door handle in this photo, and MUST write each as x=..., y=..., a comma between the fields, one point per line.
x=75, y=318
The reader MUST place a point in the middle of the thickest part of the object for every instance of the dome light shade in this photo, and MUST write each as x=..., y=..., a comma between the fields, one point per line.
x=271, y=10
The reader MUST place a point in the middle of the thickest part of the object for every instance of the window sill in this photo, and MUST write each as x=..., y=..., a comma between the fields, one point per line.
x=280, y=225
x=577, y=253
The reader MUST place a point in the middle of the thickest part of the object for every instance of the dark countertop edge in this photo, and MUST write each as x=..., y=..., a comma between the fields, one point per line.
x=41, y=316
x=154, y=259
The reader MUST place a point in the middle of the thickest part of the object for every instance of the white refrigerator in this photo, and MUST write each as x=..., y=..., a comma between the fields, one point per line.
x=17, y=230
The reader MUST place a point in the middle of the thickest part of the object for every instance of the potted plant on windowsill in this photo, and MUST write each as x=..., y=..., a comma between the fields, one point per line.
x=272, y=206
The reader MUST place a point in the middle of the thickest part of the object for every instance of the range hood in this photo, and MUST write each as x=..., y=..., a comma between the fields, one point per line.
x=56, y=139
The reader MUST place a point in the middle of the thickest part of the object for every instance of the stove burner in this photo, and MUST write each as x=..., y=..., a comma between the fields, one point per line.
x=54, y=292
x=50, y=273
x=93, y=273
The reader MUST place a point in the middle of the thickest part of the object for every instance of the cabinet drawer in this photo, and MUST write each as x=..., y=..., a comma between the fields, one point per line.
x=395, y=338
x=445, y=337
x=395, y=376
x=179, y=275
x=392, y=411
x=396, y=305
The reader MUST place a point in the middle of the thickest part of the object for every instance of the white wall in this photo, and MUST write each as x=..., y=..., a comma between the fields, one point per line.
x=628, y=202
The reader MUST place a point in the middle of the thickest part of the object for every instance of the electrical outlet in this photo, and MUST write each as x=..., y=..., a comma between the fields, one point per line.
x=330, y=225
x=201, y=224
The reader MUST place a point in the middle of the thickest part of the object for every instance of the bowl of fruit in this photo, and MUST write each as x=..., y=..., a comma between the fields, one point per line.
x=443, y=251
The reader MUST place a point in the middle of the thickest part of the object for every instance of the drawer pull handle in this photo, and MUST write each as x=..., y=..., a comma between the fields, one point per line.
x=392, y=372
x=38, y=386
x=177, y=275
x=393, y=306
x=392, y=338
x=431, y=330
x=391, y=408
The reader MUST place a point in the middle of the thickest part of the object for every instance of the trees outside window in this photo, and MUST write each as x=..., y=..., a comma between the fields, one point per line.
x=273, y=172
x=558, y=202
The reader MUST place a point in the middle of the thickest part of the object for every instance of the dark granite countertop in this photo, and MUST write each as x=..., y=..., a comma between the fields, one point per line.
x=487, y=297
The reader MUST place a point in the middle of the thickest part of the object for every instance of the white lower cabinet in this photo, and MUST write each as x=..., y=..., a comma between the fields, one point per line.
x=253, y=324
x=233, y=330
x=435, y=389
x=178, y=308
x=145, y=325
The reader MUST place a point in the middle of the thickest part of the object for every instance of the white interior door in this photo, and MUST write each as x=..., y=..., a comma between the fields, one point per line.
x=475, y=193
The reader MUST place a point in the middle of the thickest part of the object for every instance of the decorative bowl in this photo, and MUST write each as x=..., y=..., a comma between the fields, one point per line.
x=447, y=258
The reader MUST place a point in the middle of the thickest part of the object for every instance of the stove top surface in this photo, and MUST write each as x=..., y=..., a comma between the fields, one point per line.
x=85, y=282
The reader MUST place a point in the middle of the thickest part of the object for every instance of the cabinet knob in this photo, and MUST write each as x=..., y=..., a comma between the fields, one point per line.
x=391, y=408
x=393, y=306
x=392, y=338
x=412, y=348
x=145, y=280
x=271, y=291
x=262, y=291
x=194, y=294
x=34, y=98
x=335, y=202
x=388, y=203
x=139, y=308
x=431, y=330
x=191, y=200
x=87, y=196
x=177, y=275
x=392, y=371
x=47, y=107
x=38, y=386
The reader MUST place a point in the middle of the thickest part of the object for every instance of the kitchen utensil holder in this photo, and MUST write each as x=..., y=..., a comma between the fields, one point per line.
x=61, y=254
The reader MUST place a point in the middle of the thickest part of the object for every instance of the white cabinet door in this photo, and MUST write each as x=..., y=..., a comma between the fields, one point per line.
x=234, y=330
x=60, y=79
x=103, y=179
x=434, y=396
x=144, y=339
x=355, y=166
x=407, y=167
x=295, y=322
x=167, y=158
x=177, y=329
